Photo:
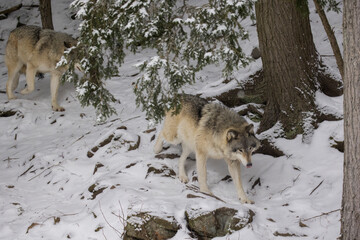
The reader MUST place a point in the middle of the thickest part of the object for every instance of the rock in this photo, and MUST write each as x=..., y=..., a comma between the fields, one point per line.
x=216, y=223
x=167, y=155
x=93, y=150
x=95, y=190
x=163, y=171
x=7, y=113
x=268, y=148
x=255, y=53
x=136, y=145
x=145, y=226
x=3, y=16
x=337, y=144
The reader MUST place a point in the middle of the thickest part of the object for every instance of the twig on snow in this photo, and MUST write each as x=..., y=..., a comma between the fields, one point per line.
x=290, y=186
x=117, y=231
x=323, y=214
x=26, y=171
x=12, y=9
x=316, y=187
x=56, y=165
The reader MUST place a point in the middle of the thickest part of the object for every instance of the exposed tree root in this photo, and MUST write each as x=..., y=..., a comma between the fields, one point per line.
x=299, y=117
x=268, y=148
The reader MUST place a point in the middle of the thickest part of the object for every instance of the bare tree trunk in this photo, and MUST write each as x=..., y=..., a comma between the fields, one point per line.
x=46, y=15
x=331, y=36
x=290, y=62
x=350, y=212
x=292, y=69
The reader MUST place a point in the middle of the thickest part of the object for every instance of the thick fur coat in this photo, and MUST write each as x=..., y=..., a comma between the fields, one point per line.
x=209, y=130
x=31, y=49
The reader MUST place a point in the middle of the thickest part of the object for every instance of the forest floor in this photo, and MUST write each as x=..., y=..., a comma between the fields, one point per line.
x=54, y=185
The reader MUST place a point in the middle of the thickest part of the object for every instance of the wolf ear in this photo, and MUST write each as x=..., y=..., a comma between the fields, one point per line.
x=250, y=128
x=231, y=134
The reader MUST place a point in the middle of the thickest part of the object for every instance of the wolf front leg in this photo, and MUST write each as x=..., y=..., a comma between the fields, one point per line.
x=54, y=86
x=234, y=169
x=201, y=160
x=182, y=173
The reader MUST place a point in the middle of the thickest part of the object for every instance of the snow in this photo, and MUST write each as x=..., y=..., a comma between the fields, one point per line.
x=45, y=173
x=220, y=28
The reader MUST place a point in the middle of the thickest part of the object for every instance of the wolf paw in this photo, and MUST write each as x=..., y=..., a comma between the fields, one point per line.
x=184, y=178
x=58, y=108
x=26, y=91
x=246, y=201
x=11, y=97
x=157, y=149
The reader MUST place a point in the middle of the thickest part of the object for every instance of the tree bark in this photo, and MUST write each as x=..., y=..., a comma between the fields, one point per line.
x=291, y=66
x=331, y=37
x=46, y=14
x=350, y=212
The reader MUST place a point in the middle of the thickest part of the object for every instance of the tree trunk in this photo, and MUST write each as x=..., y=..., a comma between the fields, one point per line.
x=291, y=66
x=331, y=37
x=350, y=212
x=46, y=15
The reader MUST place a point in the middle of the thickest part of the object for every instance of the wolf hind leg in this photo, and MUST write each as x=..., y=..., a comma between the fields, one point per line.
x=30, y=79
x=182, y=173
x=13, y=79
x=168, y=133
x=159, y=143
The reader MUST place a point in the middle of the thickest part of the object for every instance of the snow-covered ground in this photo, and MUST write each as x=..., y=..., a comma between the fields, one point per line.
x=51, y=189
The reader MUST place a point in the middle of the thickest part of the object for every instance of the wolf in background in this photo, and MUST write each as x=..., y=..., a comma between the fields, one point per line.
x=209, y=130
x=31, y=49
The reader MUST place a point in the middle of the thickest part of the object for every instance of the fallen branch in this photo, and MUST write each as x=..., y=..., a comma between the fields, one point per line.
x=12, y=9
x=331, y=36
x=57, y=218
x=197, y=190
x=323, y=214
x=116, y=231
x=56, y=165
x=9, y=159
x=294, y=180
x=122, y=217
x=130, y=119
x=26, y=171
x=316, y=187
x=81, y=137
x=32, y=6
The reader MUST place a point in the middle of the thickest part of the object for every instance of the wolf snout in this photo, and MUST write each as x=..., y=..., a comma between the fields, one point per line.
x=249, y=165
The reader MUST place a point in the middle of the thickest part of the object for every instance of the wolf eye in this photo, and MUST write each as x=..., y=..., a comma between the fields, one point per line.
x=240, y=150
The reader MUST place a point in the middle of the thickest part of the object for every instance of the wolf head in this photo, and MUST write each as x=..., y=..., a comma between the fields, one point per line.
x=70, y=42
x=241, y=144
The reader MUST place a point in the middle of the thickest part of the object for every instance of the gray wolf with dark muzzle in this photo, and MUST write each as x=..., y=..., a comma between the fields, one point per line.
x=209, y=130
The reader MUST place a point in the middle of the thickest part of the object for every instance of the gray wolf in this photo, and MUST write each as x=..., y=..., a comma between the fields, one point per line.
x=31, y=49
x=209, y=130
